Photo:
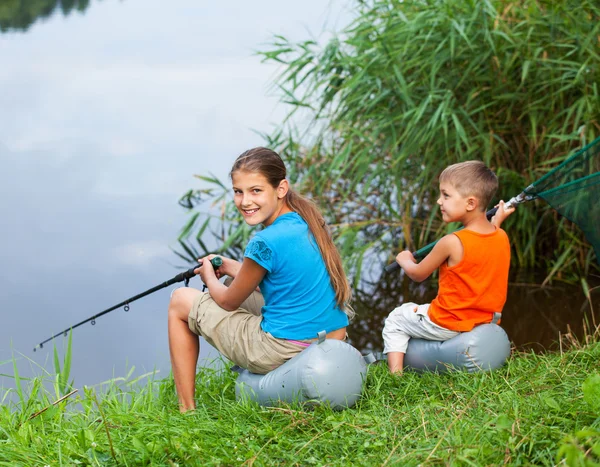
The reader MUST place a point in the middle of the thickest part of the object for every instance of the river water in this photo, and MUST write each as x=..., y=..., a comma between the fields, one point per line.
x=105, y=116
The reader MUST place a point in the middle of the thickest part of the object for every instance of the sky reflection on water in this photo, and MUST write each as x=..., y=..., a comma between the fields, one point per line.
x=105, y=118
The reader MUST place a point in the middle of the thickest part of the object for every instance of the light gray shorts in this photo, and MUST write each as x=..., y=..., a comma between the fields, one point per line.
x=238, y=336
x=411, y=320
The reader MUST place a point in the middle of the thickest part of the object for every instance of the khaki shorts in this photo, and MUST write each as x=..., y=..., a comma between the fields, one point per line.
x=238, y=336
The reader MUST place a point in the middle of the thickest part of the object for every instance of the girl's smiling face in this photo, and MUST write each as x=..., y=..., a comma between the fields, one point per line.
x=256, y=199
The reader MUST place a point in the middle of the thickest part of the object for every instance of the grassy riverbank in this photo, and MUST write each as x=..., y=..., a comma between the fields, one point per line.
x=538, y=409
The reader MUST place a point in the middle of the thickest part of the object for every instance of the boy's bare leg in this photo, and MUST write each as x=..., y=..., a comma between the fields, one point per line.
x=395, y=362
x=184, y=347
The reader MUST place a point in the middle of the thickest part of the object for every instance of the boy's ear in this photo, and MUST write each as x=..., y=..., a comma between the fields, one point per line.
x=472, y=203
x=283, y=188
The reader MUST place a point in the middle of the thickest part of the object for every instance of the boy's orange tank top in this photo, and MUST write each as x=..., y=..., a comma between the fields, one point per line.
x=471, y=291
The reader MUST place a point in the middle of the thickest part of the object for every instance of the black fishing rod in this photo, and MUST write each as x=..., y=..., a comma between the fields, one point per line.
x=181, y=277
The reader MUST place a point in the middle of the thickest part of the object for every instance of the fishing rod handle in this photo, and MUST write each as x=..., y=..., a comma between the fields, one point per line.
x=509, y=204
x=520, y=198
x=417, y=254
x=217, y=262
x=421, y=253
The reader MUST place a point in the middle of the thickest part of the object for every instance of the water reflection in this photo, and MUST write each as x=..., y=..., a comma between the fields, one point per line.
x=534, y=317
x=100, y=134
x=21, y=14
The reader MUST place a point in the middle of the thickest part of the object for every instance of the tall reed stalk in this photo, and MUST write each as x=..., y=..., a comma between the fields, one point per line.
x=412, y=86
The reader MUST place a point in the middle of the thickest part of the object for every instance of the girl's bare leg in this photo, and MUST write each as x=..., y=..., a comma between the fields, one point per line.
x=395, y=362
x=184, y=346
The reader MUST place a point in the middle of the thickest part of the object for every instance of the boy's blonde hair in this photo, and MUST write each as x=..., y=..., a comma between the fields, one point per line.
x=472, y=178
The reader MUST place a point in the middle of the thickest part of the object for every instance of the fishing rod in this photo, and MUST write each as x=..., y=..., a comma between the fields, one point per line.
x=181, y=277
x=520, y=198
x=571, y=188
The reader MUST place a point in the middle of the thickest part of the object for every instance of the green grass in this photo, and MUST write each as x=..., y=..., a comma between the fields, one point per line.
x=536, y=410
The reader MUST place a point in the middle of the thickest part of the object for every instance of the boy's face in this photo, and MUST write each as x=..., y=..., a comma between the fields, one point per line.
x=452, y=204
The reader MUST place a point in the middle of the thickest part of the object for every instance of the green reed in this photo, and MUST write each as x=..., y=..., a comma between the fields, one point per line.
x=409, y=87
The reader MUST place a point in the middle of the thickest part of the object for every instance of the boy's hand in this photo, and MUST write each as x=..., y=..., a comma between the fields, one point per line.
x=405, y=257
x=442, y=250
x=501, y=214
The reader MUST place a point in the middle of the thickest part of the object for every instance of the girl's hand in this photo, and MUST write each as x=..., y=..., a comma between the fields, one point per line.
x=501, y=214
x=206, y=270
x=230, y=267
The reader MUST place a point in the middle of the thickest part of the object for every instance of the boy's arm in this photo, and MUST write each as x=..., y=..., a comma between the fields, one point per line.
x=501, y=214
x=442, y=250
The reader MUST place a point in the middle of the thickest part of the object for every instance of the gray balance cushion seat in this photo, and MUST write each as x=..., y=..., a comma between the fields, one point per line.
x=484, y=348
x=327, y=372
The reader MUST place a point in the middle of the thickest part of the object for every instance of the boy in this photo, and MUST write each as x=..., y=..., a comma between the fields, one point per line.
x=473, y=263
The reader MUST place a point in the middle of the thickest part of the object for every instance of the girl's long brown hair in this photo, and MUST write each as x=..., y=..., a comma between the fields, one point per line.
x=269, y=164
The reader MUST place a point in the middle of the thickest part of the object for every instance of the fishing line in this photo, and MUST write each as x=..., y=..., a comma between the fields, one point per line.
x=181, y=277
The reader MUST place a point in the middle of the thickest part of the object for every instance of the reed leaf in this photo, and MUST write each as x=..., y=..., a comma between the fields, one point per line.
x=409, y=87
x=61, y=376
x=18, y=386
x=187, y=228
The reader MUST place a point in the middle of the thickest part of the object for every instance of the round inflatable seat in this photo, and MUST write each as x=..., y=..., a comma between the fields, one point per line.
x=327, y=372
x=484, y=348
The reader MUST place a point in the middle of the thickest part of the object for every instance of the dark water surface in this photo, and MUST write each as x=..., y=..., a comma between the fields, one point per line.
x=534, y=317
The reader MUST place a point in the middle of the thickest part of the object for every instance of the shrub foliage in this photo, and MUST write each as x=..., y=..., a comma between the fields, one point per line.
x=411, y=86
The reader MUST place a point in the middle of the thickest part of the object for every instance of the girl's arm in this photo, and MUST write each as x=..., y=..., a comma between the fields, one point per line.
x=443, y=249
x=244, y=283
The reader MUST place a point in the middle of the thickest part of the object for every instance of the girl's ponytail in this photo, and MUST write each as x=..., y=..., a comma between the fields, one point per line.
x=331, y=256
x=268, y=163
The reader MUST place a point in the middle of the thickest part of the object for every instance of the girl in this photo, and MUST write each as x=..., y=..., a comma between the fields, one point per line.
x=303, y=288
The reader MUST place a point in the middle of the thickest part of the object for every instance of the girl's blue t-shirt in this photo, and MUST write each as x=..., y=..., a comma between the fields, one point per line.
x=299, y=297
